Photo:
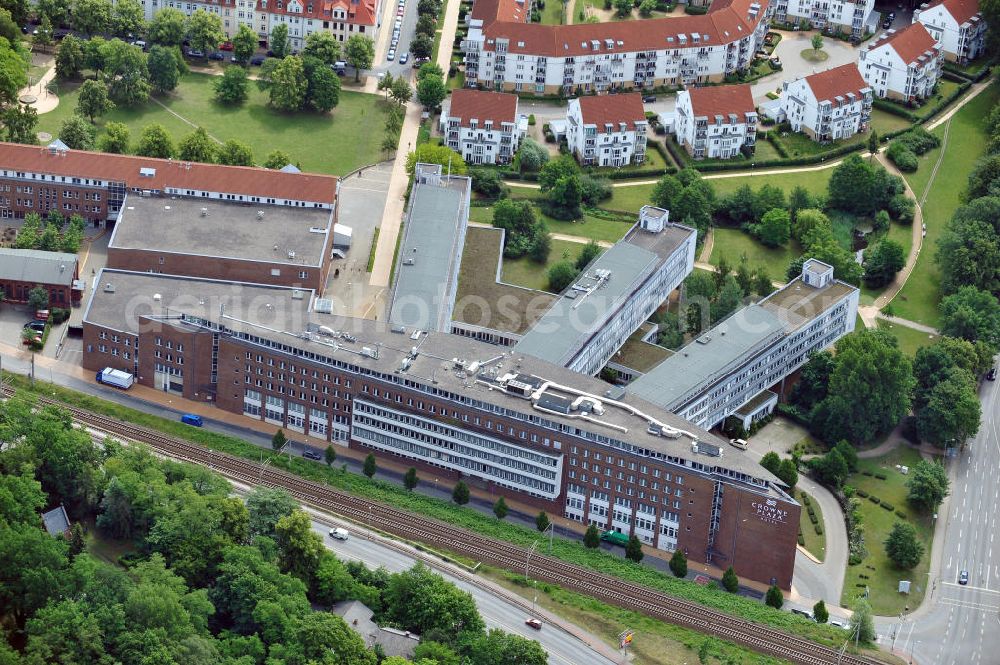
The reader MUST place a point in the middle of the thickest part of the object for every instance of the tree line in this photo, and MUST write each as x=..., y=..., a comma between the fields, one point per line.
x=163, y=564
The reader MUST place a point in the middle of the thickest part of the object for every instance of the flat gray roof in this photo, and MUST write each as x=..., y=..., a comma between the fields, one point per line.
x=709, y=356
x=34, y=265
x=577, y=315
x=797, y=303
x=430, y=254
x=229, y=230
x=277, y=315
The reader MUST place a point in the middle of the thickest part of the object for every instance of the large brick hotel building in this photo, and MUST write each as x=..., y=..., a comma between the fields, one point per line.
x=257, y=345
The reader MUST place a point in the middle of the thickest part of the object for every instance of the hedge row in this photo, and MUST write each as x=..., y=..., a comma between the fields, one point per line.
x=874, y=499
x=888, y=506
x=819, y=529
x=881, y=475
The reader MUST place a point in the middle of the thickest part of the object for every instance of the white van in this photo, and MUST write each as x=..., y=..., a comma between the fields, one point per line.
x=339, y=534
x=739, y=443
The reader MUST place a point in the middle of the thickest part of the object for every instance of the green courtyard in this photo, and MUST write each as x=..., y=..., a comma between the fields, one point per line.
x=328, y=143
x=876, y=572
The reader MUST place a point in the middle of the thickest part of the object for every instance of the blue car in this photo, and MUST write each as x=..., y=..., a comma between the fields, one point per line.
x=192, y=419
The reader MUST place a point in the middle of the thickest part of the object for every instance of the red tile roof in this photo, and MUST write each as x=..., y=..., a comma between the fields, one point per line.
x=910, y=43
x=837, y=81
x=722, y=100
x=488, y=11
x=468, y=104
x=359, y=12
x=205, y=177
x=614, y=109
x=727, y=21
x=960, y=10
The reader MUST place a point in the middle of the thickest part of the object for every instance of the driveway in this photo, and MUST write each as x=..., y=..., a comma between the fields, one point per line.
x=362, y=201
x=790, y=48
x=811, y=581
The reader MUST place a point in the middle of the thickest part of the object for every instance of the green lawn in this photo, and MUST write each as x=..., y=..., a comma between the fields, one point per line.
x=918, y=300
x=629, y=199
x=321, y=143
x=899, y=233
x=591, y=227
x=918, y=179
x=876, y=571
x=815, y=542
x=552, y=14
x=814, y=181
x=734, y=244
x=909, y=339
x=525, y=272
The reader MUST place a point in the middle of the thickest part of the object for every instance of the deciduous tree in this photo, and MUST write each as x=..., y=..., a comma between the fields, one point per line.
x=460, y=494
x=245, y=43
x=235, y=153
x=204, y=29
x=19, y=123
x=167, y=27
x=69, y=58
x=164, y=73
x=77, y=133
x=360, y=52
x=198, y=147
x=92, y=17
x=322, y=46
x=115, y=138
x=232, y=86
x=280, y=46
x=155, y=142
x=927, y=485
x=902, y=546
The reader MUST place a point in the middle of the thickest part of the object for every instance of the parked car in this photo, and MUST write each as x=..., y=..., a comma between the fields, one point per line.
x=311, y=454
x=804, y=613
x=226, y=46
x=217, y=55
x=839, y=624
x=963, y=577
x=195, y=53
x=649, y=99
x=403, y=58
x=391, y=55
x=192, y=419
x=36, y=325
x=257, y=60
x=992, y=374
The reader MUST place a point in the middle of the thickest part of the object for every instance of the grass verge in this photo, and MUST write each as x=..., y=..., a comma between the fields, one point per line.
x=371, y=252
x=909, y=339
x=734, y=246
x=656, y=642
x=467, y=518
x=877, y=573
x=814, y=542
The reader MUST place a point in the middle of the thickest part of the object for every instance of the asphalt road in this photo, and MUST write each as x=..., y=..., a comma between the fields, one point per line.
x=960, y=625
x=562, y=647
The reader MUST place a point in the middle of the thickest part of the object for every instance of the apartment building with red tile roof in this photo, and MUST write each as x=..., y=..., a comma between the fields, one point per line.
x=505, y=53
x=903, y=64
x=830, y=105
x=957, y=25
x=484, y=127
x=607, y=130
x=716, y=122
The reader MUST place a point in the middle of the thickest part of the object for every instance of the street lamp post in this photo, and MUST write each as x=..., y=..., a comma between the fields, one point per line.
x=527, y=558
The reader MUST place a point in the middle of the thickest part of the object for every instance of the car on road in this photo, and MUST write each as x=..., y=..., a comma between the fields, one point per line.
x=311, y=454
x=339, y=534
x=649, y=99
x=403, y=58
x=532, y=622
x=217, y=55
x=192, y=419
x=391, y=55
x=992, y=374
x=963, y=577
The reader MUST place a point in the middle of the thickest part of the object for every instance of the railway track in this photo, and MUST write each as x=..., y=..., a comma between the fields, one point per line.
x=391, y=520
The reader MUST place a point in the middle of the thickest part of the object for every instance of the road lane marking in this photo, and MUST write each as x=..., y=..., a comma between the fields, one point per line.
x=971, y=588
x=969, y=606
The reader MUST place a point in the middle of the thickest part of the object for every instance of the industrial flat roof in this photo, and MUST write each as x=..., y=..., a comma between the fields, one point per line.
x=587, y=303
x=282, y=315
x=708, y=357
x=798, y=303
x=430, y=254
x=227, y=230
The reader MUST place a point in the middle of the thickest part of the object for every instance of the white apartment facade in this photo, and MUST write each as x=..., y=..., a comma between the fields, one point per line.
x=502, y=52
x=341, y=18
x=957, y=25
x=737, y=361
x=609, y=130
x=483, y=127
x=904, y=65
x=716, y=122
x=845, y=16
x=828, y=106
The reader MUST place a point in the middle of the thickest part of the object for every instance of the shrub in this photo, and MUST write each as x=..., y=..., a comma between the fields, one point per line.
x=881, y=475
x=888, y=506
x=863, y=494
x=874, y=499
x=813, y=518
x=919, y=140
x=806, y=501
x=802, y=540
x=900, y=514
x=819, y=529
x=531, y=120
x=868, y=473
x=901, y=155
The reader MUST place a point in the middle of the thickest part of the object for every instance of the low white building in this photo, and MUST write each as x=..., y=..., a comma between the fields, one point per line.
x=607, y=130
x=903, y=64
x=738, y=366
x=828, y=106
x=848, y=16
x=957, y=25
x=716, y=122
x=483, y=127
